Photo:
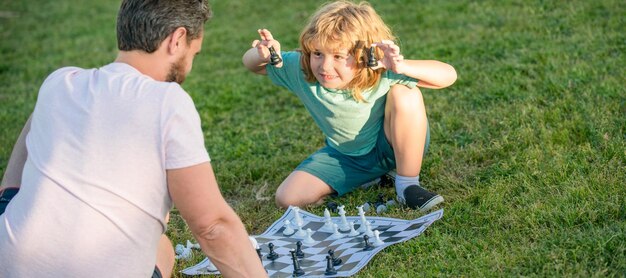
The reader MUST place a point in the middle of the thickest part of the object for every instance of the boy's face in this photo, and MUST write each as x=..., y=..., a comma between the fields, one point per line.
x=334, y=69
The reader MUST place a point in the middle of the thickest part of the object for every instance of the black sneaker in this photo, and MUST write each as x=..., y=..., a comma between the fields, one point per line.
x=417, y=197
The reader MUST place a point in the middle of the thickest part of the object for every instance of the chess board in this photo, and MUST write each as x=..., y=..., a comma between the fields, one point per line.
x=349, y=249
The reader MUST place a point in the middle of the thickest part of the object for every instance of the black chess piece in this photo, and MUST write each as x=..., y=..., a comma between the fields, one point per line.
x=386, y=181
x=299, y=252
x=332, y=206
x=297, y=271
x=272, y=254
x=368, y=245
x=380, y=204
x=336, y=261
x=258, y=252
x=274, y=58
x=371, y=58
x=330, y=269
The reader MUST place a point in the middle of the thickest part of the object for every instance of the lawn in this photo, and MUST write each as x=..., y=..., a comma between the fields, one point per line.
x=528, y=147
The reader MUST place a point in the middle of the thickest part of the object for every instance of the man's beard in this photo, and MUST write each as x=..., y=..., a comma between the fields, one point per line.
x=177, y=72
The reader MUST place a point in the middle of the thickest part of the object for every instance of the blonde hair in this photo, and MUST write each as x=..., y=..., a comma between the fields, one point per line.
x=346, y=25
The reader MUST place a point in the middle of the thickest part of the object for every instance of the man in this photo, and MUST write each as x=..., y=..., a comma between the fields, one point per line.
x=106, y=152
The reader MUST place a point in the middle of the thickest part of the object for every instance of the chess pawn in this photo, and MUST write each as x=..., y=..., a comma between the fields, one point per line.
x=353, y=232
x=368, y=246
x=299, y=252
x=300, y=233
x=377, y=240
x=328, y=226
x=336, y=234
x=308, y=240
x=330, y=268
x=288, y=229
x=272, y=255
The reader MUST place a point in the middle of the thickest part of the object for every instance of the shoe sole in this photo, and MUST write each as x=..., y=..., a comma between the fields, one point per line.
x=427, y=205
x=431, y=203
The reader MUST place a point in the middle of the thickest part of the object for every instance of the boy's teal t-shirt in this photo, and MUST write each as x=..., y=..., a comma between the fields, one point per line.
x=350, y=127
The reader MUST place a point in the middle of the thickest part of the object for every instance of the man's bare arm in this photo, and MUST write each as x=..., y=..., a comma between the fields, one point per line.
x=13, y=173
x=213, y=222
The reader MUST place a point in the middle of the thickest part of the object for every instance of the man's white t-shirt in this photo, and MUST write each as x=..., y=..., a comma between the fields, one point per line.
x=94, y=193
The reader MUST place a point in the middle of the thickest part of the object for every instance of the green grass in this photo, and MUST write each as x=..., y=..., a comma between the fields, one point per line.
x=528, y=146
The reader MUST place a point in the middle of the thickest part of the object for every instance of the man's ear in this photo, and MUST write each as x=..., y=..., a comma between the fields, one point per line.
x=177, y=40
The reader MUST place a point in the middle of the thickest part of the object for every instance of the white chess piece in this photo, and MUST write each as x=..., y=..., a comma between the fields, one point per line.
x=210, y=267
x=368, y=229
x=288, y=229
x=253, y=241
x=193, y=245
x=342, y=209
x=296, y=216
x=362, y=228
x=308, y=239
x=328, y=226
x=300, y=233
x=183, y=252
x=344, y=226
x=336, y=234
x=360, y=209
x=179, y=249
x=353, y=232
x=377, y=240
x=326, y=214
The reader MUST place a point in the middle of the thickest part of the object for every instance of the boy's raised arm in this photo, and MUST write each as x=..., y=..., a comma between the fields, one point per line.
x=258, y=56
x=431, y=74
x=254, y=62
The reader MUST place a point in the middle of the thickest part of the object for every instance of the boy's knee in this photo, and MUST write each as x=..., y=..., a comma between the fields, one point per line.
x=281, y=199
x=405, y=99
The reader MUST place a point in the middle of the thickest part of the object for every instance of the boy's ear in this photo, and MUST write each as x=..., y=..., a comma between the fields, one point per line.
x=177, y=40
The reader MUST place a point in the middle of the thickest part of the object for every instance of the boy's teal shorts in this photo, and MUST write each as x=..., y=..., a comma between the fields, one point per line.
x=344, y=173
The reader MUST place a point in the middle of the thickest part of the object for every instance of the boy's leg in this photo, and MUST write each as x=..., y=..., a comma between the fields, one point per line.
x=300, y=189
x=406, y=128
